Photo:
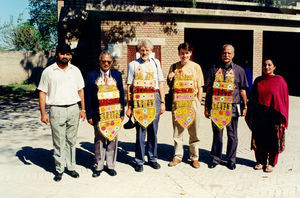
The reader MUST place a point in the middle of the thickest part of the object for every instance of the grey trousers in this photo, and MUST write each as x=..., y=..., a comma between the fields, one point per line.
x=64, y=125
x=104, y=150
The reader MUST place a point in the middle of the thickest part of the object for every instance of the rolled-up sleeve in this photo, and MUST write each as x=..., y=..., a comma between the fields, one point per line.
x=130, y=73
x=43, y=85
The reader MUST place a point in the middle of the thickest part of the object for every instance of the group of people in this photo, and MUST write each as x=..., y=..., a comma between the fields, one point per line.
x=102, y=103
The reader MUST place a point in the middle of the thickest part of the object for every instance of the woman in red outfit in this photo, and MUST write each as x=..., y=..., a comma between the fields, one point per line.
x=267, y=116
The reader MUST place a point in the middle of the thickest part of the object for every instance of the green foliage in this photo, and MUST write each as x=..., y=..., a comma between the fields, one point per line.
x=22, y=36
x=17, y=91
x=43, y=15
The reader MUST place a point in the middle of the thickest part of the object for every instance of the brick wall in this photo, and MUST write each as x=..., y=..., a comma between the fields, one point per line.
x=257, y=53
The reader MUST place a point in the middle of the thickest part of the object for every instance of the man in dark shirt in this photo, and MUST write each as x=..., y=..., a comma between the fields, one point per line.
x=214, y=102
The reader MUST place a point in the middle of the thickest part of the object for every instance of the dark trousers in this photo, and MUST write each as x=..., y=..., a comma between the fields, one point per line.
x=151, y=131
x=263, y=155
x=232, y=142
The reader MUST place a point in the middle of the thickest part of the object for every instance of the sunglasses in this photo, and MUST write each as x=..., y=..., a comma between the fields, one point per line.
x=106, y=61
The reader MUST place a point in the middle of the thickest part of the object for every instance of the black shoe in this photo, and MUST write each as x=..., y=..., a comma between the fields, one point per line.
x=139, y=168
x=154, y=165
x=231, y=165
x=212, y=165
x=72, y=173
x=57, y=176
x=111, y=172
x=96, y=173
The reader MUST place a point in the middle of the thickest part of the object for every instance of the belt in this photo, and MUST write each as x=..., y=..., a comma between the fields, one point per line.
x=64, y=106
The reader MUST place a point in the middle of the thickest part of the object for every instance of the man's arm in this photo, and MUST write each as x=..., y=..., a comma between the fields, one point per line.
x=129, y=101
x=200, y=94
x=162, y=97
x=82, y=112
x=42, y=102
x=244, y=98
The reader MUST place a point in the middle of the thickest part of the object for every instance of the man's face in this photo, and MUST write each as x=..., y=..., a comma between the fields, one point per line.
x=105, y=62
x=64, y=58
x=227, y=54
x=145, y=52
x=184, y=55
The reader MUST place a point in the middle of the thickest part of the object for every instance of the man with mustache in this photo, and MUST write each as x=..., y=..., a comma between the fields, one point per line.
x=61, y=87
x=226, y=87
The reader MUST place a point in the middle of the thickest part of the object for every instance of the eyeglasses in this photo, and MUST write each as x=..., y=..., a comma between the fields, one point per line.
x=106, y=61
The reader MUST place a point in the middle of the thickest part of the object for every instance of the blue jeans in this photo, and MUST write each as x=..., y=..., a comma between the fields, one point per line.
x=151, y=146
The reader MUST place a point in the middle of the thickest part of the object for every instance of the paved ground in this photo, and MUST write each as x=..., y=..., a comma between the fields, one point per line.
x=26, y=163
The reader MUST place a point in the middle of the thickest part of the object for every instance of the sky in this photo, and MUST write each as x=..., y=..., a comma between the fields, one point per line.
x=13, y=8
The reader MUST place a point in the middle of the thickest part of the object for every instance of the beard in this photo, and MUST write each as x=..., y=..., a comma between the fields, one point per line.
x=63, y=61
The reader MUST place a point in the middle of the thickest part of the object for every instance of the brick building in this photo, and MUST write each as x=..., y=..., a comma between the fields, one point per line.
x=256, y=30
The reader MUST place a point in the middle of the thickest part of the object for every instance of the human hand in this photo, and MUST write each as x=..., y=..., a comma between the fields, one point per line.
x=122, y=118
x=82, y=116
x=45, y=119
x=171, y=76
x=162, y=108
x=90, y=121
x=129, y=112
x=207, y=113
x=244, y=112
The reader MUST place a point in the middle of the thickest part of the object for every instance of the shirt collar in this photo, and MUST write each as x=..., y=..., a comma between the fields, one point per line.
x=102, y=72
x=56, y=67
x=227, y=67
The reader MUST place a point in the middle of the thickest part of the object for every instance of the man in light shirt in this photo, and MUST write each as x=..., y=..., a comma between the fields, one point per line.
x=61, y=87
x=151, y=66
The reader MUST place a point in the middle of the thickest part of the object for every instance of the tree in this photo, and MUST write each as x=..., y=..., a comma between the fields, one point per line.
x=43, y=15
x=22, y=36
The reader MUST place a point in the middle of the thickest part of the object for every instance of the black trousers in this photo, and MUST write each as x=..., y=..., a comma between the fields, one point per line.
x=232, y=142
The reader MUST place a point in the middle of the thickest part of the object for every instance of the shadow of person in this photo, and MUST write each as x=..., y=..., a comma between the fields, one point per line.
x=85, y=155
x=37, y=156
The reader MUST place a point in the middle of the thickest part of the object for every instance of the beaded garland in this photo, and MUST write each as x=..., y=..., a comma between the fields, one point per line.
x=183, y=98
x=109, y=108
x=221, y=112
x=144, y=97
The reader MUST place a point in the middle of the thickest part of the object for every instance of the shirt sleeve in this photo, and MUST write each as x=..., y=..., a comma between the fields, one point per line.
x=200, y=81
x=160, y=76
x=243, y=80
x=43, y=85
x=130, y=73
x=80, y=82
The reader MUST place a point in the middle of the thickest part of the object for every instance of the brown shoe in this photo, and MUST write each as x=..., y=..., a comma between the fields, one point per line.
x=174, y=162
x=195, y=163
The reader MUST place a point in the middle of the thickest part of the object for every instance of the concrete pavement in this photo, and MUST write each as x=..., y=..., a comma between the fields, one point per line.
x=26, y=163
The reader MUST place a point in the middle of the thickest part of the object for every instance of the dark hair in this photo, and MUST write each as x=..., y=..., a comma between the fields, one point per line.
x=63, y=49
x=271, y=59
x=185, y=46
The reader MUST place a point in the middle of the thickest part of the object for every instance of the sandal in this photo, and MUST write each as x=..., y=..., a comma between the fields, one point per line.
x=269, y=169
x=258, y=167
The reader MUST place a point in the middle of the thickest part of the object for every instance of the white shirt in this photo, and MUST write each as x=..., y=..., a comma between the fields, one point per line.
x=149, y=66
x=61, y=86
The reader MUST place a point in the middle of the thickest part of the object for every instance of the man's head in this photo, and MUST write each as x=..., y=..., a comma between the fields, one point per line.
x=227, y=53
x=105, y=61
x=185, y=52
x=63, y=54
x=145, y=48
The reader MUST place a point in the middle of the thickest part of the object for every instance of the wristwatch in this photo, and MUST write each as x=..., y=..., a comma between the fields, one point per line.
x=162, y=102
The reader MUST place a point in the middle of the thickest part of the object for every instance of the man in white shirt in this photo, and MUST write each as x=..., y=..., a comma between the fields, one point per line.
x=61, y=87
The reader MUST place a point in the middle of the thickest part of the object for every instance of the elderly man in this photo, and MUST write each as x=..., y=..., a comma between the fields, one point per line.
x=105, y=111
x=61, y=87
x=145, y=102
x=186, y=79
x=226, y=87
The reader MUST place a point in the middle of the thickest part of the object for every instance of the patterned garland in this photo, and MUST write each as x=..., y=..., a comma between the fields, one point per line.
x=109, y=108
x=221, y=112
x=144, y=98
x=183, y=98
